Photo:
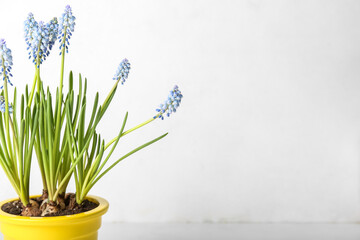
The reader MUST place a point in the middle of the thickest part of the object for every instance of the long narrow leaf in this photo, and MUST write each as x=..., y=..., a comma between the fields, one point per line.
x=114, y=146
x=125, y=156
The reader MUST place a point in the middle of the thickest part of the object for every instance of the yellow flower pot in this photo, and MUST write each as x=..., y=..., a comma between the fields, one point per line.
x=82, y=226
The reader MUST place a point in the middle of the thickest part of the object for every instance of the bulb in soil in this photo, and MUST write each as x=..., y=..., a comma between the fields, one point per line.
x=50, y=209
x=44, y=195
x=61, y=203
x=44, y=204
x=71, y=199
x=31, y=210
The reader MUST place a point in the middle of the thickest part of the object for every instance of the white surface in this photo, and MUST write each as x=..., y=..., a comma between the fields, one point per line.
x=269, y=126
x=153, y=231
x=229, y=232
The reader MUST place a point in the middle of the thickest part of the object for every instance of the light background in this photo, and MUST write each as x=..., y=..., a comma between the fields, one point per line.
x=269, y=127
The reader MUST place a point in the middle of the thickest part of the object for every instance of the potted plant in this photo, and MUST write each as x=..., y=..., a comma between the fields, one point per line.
x=54, y=130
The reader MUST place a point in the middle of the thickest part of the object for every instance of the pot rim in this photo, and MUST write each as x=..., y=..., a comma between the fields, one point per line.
x=98, y=211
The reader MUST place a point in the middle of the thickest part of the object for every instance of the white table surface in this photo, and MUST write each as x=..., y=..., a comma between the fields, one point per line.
x=132, y=231
x=175, y=231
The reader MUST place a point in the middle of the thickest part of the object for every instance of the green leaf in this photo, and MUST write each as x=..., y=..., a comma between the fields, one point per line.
x=71, y=81
x=113, y=147
x=27, y=94
x=96, y=101
x=123, y=157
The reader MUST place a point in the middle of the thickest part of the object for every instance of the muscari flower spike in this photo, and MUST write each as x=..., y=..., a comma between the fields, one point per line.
x=66, y=27
x=53, y=27
x=122, y=71
x=29, y=25
x=40, y=43
x=5, y=62
x=2, y=105
x=171, y=104
x=40, y=38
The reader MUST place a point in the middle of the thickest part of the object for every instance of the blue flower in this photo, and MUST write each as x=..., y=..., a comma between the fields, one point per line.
x=171, y=104
x=5, y=61
x=66, y=27
x=40, y=43
x=122, y=71
x=2, y=105
x=40, y=38
x=53, y=27
x=29, y=25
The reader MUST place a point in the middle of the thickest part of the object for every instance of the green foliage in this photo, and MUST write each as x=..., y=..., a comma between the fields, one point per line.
x=15, y=155
x=65, y=143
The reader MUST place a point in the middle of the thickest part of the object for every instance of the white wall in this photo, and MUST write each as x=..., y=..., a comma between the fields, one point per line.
x=269, y=125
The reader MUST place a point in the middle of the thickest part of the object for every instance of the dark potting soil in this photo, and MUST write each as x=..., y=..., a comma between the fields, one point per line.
x=85, y=206
x=14, y=207
x=71, y=207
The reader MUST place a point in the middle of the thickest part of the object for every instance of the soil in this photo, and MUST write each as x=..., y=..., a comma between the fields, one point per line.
x=68, y=206
x=14, y=207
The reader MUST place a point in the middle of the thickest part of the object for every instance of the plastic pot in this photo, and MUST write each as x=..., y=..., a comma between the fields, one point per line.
x=81, y=226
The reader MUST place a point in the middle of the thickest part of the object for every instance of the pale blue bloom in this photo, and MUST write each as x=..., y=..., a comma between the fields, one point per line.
x=2, y=105
x=122, y=71
x=53, y=27
x=40, y=38
x=40, y=43
x=66, y=27
x=171, y=104
x=29, y=25
x=5, y=61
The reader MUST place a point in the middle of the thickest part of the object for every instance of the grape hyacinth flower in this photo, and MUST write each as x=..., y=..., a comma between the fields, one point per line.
x=40, y=38
x=122, y=71
x=29, y=25
x=5, y=61
x=40, y=43
x=171, y=104
x=53, y=27
x=66, y=27
x=2, y=105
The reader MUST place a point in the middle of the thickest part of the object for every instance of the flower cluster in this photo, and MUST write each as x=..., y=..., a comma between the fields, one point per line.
x=171, y=104
x=2, y=105
x=5, y=61
x=40, y=38
x=122, y=71
x=40, y=43
x=66, y=27
x=53, y=27
x=29, y=25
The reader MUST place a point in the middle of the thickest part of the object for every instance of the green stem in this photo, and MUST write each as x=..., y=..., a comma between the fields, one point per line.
x=33, y=87
x=129, y=131
x=37, y=82
x=37, y=70
x=60, y=94
x=55, y=153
